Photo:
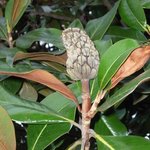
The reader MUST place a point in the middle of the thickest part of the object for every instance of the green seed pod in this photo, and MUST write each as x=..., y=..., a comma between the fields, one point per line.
x=83, y=58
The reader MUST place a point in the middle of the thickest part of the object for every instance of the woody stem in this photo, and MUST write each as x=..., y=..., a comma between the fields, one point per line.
x=86, y=105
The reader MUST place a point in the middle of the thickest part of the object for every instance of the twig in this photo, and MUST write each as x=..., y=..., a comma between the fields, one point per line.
x=10, y=40
x=53, y=16
x=94, y=106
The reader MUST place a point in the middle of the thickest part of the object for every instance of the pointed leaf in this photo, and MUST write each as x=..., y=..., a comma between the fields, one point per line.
x=145, y=4
x=135, y=61
x=28, y=111
x=7, y=132
x=123, y=92
x=110, y=125
x=124, y=143
x=132, y=14
x=46, y=79
x=28, y=92
x=3, y=30
x=102, y=45
x=118, y=54
x=96, y=28
x=118, y=33
x=48, y=35
x=76, y=24
x=61, y=59
x=14, y=11
x=40, y=136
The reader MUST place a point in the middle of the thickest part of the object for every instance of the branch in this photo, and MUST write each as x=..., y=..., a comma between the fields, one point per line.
x=55, y=16
x=97, y=100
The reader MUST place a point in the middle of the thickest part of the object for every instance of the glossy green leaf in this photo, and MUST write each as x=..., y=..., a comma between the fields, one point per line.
x=117, y=33
x=17, y=68
x=102, y=46
x=40, y=136
x=3, y=30
x=8, y=52
x=12, y=82
x=110, y=125
x=46, y=134
x=14, y=11
x=124, y=143
x=113, y=59
x=96, y=28
x=7, y=132
x=145, y=4
x=76, y=24
x=28, y=111
x=48, y=35
x=123, y=92
x=132, y=14
x=40, y=76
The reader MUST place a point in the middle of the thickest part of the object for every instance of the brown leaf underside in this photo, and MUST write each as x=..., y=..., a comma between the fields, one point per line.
x=61, y=59
x=47, y=79
x=134, y=62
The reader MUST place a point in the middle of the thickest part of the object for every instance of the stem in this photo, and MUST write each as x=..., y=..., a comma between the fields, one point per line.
x=86, y=105
x=97, y=100
x=10, y=40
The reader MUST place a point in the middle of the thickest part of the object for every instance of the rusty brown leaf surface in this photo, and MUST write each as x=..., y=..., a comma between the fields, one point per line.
x=47, y=79
x=7, y=132
x=19, y=7
x=41, y=56
x=133, y=63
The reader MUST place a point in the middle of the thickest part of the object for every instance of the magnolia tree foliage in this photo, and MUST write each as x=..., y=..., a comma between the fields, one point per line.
x=92, y=67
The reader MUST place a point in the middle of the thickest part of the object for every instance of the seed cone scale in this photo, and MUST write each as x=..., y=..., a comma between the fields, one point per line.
x=83, y=58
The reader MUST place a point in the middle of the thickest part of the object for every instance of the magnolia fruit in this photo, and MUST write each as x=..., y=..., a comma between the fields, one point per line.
x=83, y=58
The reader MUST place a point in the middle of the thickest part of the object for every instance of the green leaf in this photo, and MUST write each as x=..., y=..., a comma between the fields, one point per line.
x=48, y=35
x=40, y=76
x=28, y=111
x=110, y=125
x=76, y=24
x=28, y=92
x=8, y=54
x=12, y=82
x=7, y=132
x=145, y=4
x=40, y=136
x=123, y=92
x=113, y=59
x=132, y=14
x=118, y=33
x=17, y=68
x=124, y=143
x=14, y=11
x=3, y=30
x=96, y=28
x=102, y=46
x=46, y=134
x=35, y=113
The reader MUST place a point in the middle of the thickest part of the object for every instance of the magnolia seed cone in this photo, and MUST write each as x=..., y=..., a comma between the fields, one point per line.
x=83, y=58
